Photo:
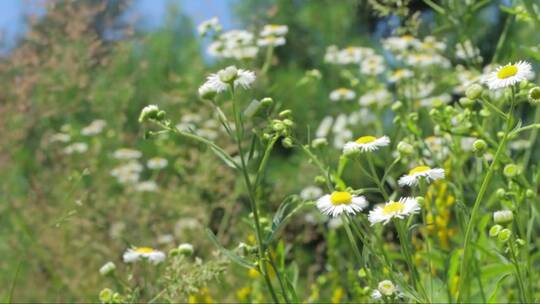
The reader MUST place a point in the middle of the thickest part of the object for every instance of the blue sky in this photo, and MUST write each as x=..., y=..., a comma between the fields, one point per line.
x=150, y=12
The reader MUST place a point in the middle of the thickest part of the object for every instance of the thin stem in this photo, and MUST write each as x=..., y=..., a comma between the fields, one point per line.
x=480, y=197
x=350, y=236
x=376, y=178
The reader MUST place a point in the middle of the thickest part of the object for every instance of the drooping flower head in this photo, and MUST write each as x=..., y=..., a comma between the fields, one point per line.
x=417, y=173
x=339, y=202
x=221, y=80
x=508, y=75
x=392, y=209
x=366, y=144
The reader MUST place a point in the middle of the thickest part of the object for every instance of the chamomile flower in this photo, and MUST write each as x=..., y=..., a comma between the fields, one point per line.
x=76, y=148
x=208, y=25
x=377, y=97
x=126, y=154
x=94, y=128
x=509, y=75
x=400, y=209
x=400, y=74
x=220, y=81
x=417, y=173
x=274, y=30
x=342, y=94
x=387, y=288
x=136, y=254
x=146, y=186
x=271, y=41
x=339, y=202
x=372, y=65
x=157, y=163
x=366, y=144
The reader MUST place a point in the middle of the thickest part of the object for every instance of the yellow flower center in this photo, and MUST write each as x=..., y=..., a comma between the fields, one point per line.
x=507, y=71
x=342, y=91
x=144, y=250
x=419, y=169
x=340, y=198
x=366, y=139
x=393, y=207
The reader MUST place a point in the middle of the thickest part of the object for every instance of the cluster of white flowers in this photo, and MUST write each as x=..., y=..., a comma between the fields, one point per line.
x=94, y=128
x=129, y=172
x=339, y=127
x=211, y=24
x=236, y=44
x=348, y=55
x=272, y=35
x=76, y=148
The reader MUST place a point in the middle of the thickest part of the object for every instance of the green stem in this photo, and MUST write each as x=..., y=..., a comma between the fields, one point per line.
x=350, y=236
x=267, y=60
x=376, y=178
x=479, y=198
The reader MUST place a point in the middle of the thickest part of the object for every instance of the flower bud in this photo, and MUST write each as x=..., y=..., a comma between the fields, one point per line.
x=466, y=102
x=285, y=113
x=105, y=295
x=479, y=146
x=495, y=230
x=386, y=287
x=362, y=273
x=500, y=193
x=534, y=95
x=396, y=106
x=149, y=112
x=287, y=142
x=521, y=242
x=288, y=122
x=504, y=235
x=185, y=249
x=503, y=217
x=207, y=91
x=320, y=180
x=267, y=101
x=511, y=170
x=405, y=148
x=413, y=116
x=107, y=269
x=229, y=74
x=474, y=91
x=530, y=194
x=319, y=142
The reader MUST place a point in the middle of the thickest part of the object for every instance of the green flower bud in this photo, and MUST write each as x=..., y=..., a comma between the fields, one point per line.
x=185, y=249
x=287, y=142
x=320, y=180
x=105, y=295
x=504, y=235
x=107, y=269
x=267, y=101
x=117, y=298
x=278, y=125
x=396, y=106
x=362, y=273
x=319, y=142
x=174, y=252
x=288, y=122
x=534, y=95
x=485, y=113
x=285, y=113
x=500, y=193
x=466, y=102
x=405, y=148
x=149, y=112
x=521, y=242
x=511, y=170
x=474, y=91
x=503, y=217
x=413, y=116
x=479, y=145
x=161, y=115
x=421, y=200
x=494, y=230
x=530, y=194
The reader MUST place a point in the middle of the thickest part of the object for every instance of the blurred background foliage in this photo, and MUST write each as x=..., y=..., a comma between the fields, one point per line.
x=63, y=215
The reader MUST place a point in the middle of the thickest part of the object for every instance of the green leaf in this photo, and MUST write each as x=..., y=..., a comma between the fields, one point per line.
x=228, y=253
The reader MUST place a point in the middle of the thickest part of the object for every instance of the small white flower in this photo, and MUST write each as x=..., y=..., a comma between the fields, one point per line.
x=366, y=144
x=387, y=288
x=207, y=25
x=402, y=43
x=157, y=163
x=376, y=294
x=339, y=202
x=400, y=209
x=136, y=254
x=220, y=81
x=146, y=186
x=400, y=74
x=372, y=65
x=311, y=193
x=509, y=75
x=78, y=147
x=185, y=248
x=274, y=30
x=324, y=127
x=60, y=137
x=126, y=153
x=148, y=112
x=503, y=216
x=342, y=94
x=377, y=97
x=417, y=173
x=271, y=41
x=94, y=128
x=466, y=51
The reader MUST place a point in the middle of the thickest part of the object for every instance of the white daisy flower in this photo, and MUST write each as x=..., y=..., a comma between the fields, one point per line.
x=342, y=94
x=366, y=144
x=311, y=193
x=379, y=97
x=210, y=24
x=271, y=41
x=94, y=128
x=417, y=173
x=400, y=74
x=157, y=163
x=239, y=78
x=60, y=137
x=509, y=75
x=376, y=294
x=339, y=202
x=386, y=288
x=274, y=30
x=324, y=127
x=76, y=148
x=372, y=65
x=136, y=254
x=126, y=153
x=402, y=43
x=146, y=186
x=400, y=209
